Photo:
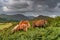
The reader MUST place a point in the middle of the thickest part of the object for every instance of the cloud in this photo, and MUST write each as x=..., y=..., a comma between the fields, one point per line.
x=17, y=5
x=27, y=5
x=1, y=9
x=42, y=7
x=53, y=16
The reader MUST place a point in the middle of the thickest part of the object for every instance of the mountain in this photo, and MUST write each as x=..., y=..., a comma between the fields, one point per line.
x=30, y=17
x=13, y=17
x=42, y=17
x=16, y=17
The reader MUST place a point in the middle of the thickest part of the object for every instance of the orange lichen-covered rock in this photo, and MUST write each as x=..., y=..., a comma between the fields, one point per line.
x=23, y=25
x=39, y=23
x=15, y=28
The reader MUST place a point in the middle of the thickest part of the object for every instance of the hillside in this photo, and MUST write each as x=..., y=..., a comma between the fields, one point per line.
x=16, y=17
x=42, y=17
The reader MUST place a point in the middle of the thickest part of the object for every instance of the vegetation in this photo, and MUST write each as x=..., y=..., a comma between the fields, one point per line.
x=50, y=32
x=5, y=25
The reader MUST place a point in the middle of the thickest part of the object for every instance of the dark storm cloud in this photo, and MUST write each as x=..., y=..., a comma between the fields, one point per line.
x=1, y=7
x=31, y=4
x=18, y=5
x=46, y=7
x=49, y=3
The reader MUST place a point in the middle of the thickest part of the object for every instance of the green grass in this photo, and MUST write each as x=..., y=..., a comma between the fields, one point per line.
x=5, y=25
x=50, y=32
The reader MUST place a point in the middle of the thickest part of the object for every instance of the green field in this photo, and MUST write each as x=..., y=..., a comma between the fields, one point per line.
x=5, y=25
x=49, y=32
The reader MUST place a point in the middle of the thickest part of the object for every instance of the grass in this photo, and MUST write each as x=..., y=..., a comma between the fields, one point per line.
x=5, y=25
x=50, y=32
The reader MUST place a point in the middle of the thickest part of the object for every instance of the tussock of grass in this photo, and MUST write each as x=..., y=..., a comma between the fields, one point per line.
x=5, y=25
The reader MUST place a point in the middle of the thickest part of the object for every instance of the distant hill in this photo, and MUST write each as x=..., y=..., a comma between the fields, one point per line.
x=16, y=17
x=42, y=17
x=3, y=20
x=30, y=17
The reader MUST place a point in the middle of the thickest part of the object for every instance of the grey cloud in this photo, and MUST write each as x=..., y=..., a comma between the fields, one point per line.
x=18, y=6
x=32, y=4
x=44, y=6
x=49, y=3
x=1, y=7
x=16, y=0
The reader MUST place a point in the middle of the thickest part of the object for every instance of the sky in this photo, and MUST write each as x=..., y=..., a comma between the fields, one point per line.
x=30, y=8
